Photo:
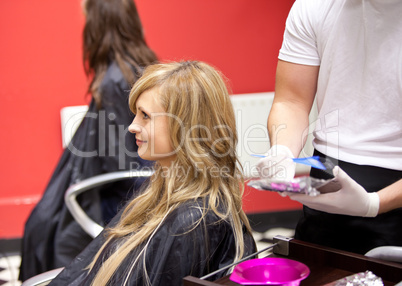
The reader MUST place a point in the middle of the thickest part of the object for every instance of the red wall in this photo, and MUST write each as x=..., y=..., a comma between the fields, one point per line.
x=41, y=72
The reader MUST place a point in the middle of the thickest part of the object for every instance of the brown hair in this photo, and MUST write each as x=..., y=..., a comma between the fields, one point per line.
x=113, y=32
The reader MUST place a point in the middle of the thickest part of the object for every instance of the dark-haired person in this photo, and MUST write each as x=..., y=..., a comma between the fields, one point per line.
x=114, y=54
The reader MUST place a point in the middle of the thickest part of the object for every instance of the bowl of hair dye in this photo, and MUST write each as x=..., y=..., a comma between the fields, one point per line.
x=270, y=271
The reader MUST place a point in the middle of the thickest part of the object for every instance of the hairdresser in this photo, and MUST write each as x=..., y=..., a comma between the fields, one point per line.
x=348, y=56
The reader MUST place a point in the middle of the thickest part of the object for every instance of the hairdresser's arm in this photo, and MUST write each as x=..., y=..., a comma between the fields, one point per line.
x=390, y=197
x=352, y=199
x=295, y=90
x=288, y=120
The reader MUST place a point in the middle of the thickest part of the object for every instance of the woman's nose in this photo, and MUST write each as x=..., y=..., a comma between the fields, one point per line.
x=134, y=127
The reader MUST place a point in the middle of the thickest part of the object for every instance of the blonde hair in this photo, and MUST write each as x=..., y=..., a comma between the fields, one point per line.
x=205, y=166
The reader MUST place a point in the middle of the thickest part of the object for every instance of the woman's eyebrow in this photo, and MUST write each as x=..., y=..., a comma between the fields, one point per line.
x=142, y=109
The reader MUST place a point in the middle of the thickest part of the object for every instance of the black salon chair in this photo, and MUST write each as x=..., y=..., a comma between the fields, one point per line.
x=87, y=224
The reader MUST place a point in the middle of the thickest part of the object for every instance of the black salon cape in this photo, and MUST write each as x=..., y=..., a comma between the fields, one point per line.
x=100, y=145
x=176, y=250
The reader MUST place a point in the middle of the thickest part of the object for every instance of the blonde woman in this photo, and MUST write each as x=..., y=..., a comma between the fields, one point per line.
x=189, y=220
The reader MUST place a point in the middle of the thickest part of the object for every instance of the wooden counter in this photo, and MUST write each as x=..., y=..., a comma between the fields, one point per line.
x=326, y=265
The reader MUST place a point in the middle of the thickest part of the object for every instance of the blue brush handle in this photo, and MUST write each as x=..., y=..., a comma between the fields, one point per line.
x=309, y=161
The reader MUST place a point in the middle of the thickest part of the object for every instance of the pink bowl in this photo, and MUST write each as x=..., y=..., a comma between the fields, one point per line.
x=270, y=271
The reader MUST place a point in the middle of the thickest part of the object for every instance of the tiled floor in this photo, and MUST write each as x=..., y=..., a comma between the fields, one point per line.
x=9, y=268
x=263, y=235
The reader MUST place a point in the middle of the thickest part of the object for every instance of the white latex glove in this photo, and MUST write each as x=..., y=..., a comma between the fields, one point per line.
x=277, y=164
x=352, y=199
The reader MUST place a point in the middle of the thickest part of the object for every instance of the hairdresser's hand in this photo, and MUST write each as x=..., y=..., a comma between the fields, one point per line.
x=352, y=199
x=277, y=164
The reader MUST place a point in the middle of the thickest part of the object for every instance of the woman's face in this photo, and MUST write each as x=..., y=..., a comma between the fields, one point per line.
x=151, y=129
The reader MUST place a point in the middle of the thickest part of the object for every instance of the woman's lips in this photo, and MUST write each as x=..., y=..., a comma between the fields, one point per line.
x=140, y=142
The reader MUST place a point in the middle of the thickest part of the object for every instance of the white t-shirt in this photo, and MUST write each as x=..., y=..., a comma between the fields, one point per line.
x=358, y=46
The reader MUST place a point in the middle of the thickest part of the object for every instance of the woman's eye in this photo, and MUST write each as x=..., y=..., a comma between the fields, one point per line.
x=144, y=115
